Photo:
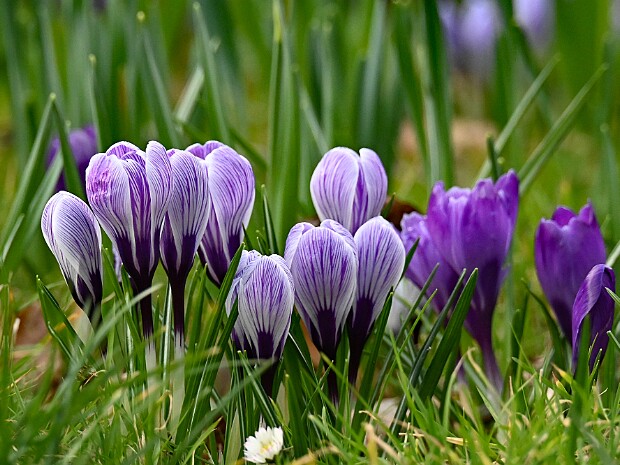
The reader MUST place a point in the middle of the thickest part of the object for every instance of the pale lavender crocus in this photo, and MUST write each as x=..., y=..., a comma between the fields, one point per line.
x=231, y=195
x=83, y=144
x=594, y=302
x=565, y=249
x=264, y=292
x=184, y=227
x=323, y=261
x=348, y=187
x=473, y=228
x=381, y=258
x=72, y=234
x=129, y=191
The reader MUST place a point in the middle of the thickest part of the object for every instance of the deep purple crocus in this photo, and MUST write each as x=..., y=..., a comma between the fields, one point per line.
x=231, y=194
x=83, y=143
x=595, y=303
x=184, y=226
x=425, y=258
x=349, y=188
x=72, y=234
x=381, y=258
x=129, y=191
x=263, y=288
x=323, y=262
x=566, y=248
x=473, y=228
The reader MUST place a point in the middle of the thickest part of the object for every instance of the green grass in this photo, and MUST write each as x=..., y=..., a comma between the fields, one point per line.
x=282, y=82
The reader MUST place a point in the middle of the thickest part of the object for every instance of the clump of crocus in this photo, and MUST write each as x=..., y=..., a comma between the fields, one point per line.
x=129, y=191
x=424, y=260
x=83, y=144
x=264, y=292
x=231, y=196
x=72, y=234
x=323, y=262
x=594, y=302
x=381, y=258
x=349, y=188
x=566, y=248
x=184, y=226
x=470, y=228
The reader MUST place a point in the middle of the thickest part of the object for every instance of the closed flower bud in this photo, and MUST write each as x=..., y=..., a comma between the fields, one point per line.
x=83, y=143
x=349, y=188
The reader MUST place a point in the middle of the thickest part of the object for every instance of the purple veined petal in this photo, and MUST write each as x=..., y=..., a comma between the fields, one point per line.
x=246, y=265
x=324, y=269
x=123, y=148
x=340, y=230
x=381, y=256
x=231, y=188
x=186, y=219
x=292, y=240
x=72, y=234
x=266, y=299
x=593, y=301
x=159, y=179
x=371, y=189
x=333, y=185
x=566, y=248
x=202, y=150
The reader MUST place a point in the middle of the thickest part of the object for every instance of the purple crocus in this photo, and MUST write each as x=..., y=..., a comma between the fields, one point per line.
x=566, y=248
x=83, y=143
x=323, y=262
x=231, y=195
x=184, y=226
x=381, y=260
x=594, y=302
x=129, y=191
x=72, y=234
x=349, y=188
x=263, y=288
x=425, y=258
x=473, y=228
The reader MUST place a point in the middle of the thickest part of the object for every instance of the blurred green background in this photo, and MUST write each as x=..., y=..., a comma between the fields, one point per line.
x=423, y=83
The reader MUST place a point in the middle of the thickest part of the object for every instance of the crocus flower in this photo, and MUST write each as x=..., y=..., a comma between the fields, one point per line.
x=536, y=18
x=473, y=228
x=425, y=258
x=594, y=302
x=184, y=226
x=83, y=143
x=129, y=191
x=323, y=262
x=349, y=188
x=263, y=288
x=566, y=248
x=72, y=234
x=381, y=260
x=264, y=445
x=231, y=194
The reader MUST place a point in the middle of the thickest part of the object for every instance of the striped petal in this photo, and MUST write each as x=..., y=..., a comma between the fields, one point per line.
x=324, y=269
x=201, y=151
x=186, y=218
x=333, y=185
x=371, y=189
x=72, y=234
x=594, y=302
x=381, y=256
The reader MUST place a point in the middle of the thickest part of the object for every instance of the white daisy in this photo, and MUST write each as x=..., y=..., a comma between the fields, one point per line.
x=264, y=445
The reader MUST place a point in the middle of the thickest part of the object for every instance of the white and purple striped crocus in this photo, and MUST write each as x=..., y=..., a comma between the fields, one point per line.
x=348, y=187
x=424, y=260
x=72, y=234
x=473, y=228
x=381, y=258
x=323, y=261
x=231, y=195
x=83, y=144
x=566, y=248
x=184, y=226
x=129, y=191
x=595, y=303
x=263, y=288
